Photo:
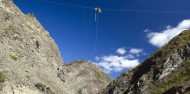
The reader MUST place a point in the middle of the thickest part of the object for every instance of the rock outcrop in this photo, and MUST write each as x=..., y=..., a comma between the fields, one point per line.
x=167, y=71
x=30, y=62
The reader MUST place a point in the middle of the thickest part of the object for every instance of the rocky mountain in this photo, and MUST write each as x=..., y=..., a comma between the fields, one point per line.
x=167, y=71
x=30, y=62
x=85, y=77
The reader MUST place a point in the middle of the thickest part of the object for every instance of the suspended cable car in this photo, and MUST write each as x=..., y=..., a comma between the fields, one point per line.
x=98, y=10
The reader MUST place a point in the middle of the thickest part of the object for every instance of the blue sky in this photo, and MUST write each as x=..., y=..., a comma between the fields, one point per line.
x=128, y=30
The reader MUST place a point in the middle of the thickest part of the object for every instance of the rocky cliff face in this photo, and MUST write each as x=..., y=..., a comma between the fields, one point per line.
x=30, y=62
x=167, y=71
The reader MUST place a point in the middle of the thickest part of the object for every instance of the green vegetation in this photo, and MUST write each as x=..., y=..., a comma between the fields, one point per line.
x=43, y=88
x=40, y=86
x=27, y=77
x=14, y=57
x=178, y=79
x=2, y=77
x=184, y=37
x=177, y=42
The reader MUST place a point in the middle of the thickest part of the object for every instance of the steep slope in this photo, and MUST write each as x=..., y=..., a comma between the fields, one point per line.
x=167, y=71
x=30, y=62
x=27, y=53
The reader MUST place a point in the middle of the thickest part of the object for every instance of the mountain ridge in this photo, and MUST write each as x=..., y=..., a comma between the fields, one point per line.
x=147, y=76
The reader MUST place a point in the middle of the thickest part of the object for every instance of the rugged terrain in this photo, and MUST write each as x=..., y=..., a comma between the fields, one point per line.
x=30, y=62
x=167, y=71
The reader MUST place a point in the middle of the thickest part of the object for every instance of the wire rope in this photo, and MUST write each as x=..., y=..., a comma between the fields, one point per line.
x=96, y=36
x=114, y=10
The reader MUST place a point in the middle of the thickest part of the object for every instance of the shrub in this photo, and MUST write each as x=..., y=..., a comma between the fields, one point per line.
x=43, y=88
x=27, y=77
x=40, y=86
x=14, y=57
x=2, y=77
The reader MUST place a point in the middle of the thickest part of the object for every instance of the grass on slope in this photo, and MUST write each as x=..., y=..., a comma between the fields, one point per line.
x=176, y=80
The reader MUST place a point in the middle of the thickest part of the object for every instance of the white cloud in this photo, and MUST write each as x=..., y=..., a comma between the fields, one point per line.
x=116, y=63
x=121, y=51
x=130, y=56
x=159, y=39
x=119, y=62
x=135, y=51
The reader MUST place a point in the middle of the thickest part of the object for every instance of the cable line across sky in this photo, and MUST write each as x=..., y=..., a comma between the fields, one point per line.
x=114, y=10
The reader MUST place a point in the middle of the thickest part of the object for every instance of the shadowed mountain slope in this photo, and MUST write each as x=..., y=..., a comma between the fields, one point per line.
x=167, y=71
